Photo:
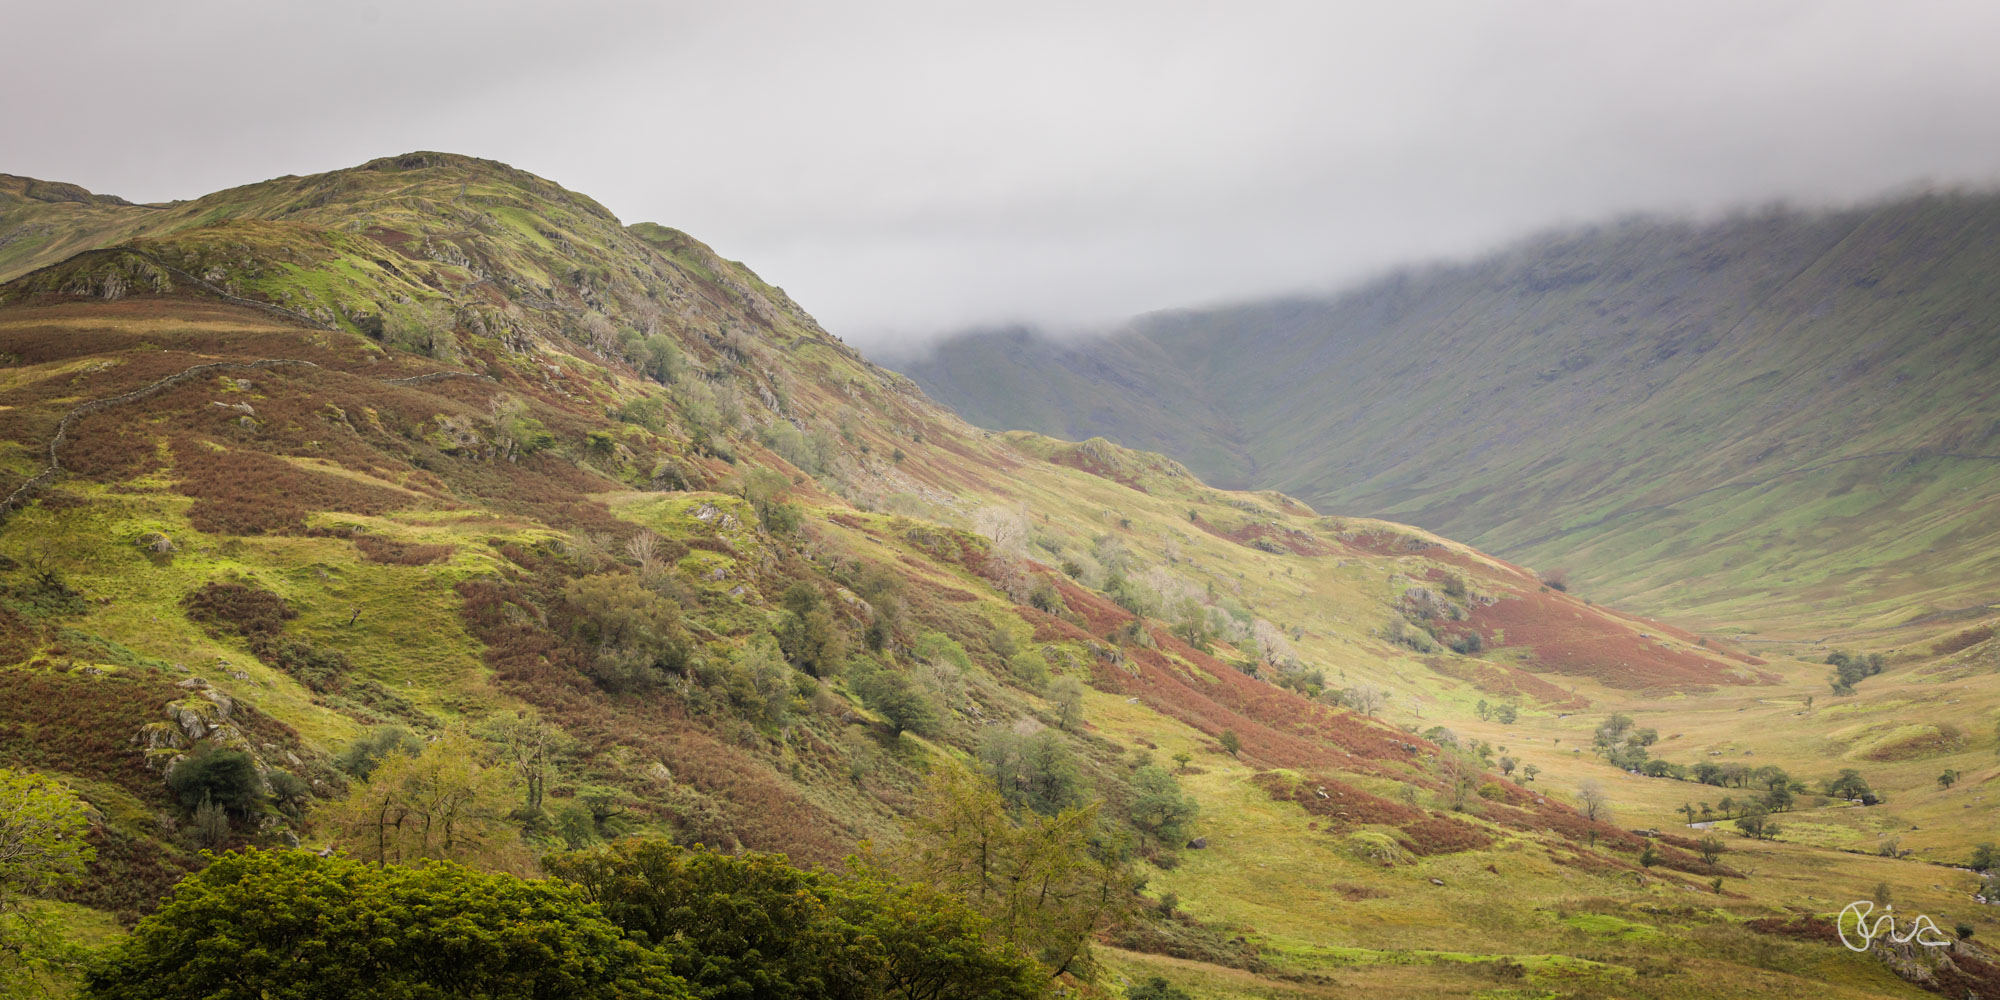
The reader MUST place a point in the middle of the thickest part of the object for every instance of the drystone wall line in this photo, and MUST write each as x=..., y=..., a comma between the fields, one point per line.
x=202, y=283
x=22, y=493
x=227, y=296
x=435, y=377
x=81, y=410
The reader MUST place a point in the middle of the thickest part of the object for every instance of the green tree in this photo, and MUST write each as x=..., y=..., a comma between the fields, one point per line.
x=1066, y=694
x=1036, y=771
x=934, y=947
x=766, y=490
x=1191, y=624
x=1157, y=988
x=1041, y=880
x=1231, y=743
x=753, y=927
x=750, y=926
x=812, y=641
x=1948, y=778
x=1755, y=823
x=255, y=925
x=444, y=803
x=1506, y=714
x=42, y=848
x=1850, y=669
x=1711, y=848
x=530, y=748
x=361, y=756
x=905, y=705
x=635, y=634
x=226, y=777
x=1031, y=668
x=1851, y=785
x=1159, y=807
x=1530, y=771
x=1985, y=857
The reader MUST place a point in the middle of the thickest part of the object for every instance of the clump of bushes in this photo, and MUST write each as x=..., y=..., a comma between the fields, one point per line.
x=1850, y=669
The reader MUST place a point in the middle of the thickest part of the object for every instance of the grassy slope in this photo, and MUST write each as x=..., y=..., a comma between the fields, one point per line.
x=1783, y=421
x=1337, y=580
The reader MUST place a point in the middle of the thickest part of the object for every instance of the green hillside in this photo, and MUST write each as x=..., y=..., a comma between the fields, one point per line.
x=428, y=488
x=1783, y=421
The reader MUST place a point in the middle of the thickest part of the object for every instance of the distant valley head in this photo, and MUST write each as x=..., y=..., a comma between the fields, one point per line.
x=1783, y=421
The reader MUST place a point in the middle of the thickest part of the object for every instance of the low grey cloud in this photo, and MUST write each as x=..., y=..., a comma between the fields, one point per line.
x=905, y=169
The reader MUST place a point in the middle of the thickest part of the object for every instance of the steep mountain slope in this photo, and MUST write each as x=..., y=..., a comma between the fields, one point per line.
x=1783, y=419
x=435, y=442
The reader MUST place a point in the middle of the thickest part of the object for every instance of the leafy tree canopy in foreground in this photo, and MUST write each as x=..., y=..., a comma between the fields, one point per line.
x=278, y=925
x=754, y=927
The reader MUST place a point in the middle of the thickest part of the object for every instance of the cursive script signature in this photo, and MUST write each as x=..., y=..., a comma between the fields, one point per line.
x=1864, y=932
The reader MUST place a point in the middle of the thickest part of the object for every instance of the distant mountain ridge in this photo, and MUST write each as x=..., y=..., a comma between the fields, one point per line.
x=1775, y=413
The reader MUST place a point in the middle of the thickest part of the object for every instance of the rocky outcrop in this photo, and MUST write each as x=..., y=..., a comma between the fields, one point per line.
x=205, y=714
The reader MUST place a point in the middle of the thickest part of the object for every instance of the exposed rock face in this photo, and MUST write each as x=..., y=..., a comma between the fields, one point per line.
x=205, y=714
x=1960, y=968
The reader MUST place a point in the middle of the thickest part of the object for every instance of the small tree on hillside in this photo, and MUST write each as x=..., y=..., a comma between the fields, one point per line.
x=1985, y=857
x=1159, y=807
x=1756, y=824
x=1595, y=806
x=1711, y=848
x=1005, y=527
x=1367, y=699
x=532, y=750
x=442, y=804
x=1851, y=785
x=907, y=707
x=1066, y=695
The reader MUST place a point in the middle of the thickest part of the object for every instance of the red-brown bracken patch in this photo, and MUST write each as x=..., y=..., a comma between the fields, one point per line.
x=249, y=493
x=375, y=548
x=1075, y=458
x=1963, y=640
x=1390, y=543
x=1342, y=805
x=1269, y=538
x=1274, y=724
x=1443, y=835
x=1569, y=637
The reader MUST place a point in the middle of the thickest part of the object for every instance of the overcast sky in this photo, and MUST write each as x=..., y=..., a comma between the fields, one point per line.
x=904, y=169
